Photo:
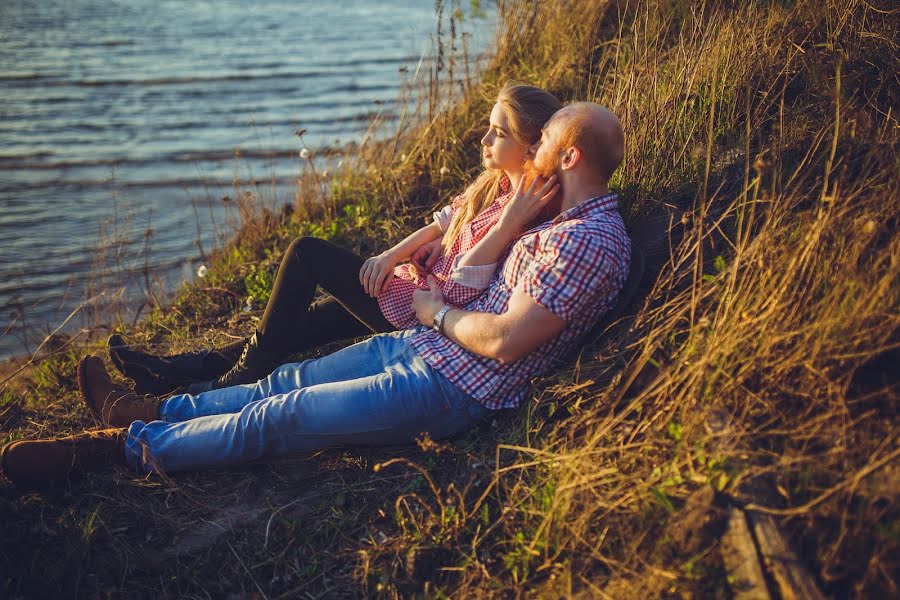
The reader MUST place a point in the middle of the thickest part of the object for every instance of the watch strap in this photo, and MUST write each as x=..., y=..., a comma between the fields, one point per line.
x=438, y=324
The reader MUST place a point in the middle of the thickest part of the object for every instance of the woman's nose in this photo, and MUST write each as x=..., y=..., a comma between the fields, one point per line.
x=485, y=141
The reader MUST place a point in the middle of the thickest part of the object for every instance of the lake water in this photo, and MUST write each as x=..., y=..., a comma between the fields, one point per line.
x=120, y=120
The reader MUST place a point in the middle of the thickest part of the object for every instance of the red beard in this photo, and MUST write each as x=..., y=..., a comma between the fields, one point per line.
x=551, y=209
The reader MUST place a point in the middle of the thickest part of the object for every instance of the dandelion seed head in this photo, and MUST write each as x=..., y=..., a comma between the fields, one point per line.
x=304, y=153
x=444, y=171
x=202, y=271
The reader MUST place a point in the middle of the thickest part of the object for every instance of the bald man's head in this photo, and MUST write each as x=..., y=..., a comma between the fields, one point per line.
x=597, y=134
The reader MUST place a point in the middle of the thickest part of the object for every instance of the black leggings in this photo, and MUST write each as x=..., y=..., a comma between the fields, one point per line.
x=291, y=324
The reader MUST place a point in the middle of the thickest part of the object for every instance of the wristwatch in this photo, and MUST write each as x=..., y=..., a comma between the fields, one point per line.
x=438, y=324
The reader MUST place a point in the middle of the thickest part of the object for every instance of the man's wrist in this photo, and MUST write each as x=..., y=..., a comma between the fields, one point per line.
x=437, y=322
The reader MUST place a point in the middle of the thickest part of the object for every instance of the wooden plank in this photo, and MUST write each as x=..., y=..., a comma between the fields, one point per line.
x=741, y=559
x=788, y=573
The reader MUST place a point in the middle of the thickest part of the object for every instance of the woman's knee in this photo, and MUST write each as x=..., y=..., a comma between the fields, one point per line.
x=305, y=245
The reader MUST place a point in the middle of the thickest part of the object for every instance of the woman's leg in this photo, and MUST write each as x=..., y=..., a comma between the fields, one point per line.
x=288, y=325
x=291, y=324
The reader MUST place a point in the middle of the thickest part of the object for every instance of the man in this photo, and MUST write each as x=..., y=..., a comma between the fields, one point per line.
x=440, y=378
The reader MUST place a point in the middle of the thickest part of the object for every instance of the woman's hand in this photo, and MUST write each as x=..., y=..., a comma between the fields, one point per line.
x=425, y=256
x=376, y=272
x=525, y=205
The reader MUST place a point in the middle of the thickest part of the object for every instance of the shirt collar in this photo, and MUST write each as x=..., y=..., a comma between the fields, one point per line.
x=590, y=207
x=505, y=191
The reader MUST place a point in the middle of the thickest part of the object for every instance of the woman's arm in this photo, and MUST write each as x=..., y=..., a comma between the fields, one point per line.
x=375, y=272
x=522, y=208
x=404, y=249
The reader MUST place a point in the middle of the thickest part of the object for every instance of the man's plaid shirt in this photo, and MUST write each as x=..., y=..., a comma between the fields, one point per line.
x=574, y=266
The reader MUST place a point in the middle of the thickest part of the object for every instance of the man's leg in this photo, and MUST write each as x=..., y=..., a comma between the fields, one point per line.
x=359, y=360
x=404, y=400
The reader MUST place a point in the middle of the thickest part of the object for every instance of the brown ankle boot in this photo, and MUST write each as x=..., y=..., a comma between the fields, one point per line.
x=44, y=463
x=110, y=404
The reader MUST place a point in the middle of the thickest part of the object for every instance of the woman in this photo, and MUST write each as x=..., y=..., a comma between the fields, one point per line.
x=366, y=296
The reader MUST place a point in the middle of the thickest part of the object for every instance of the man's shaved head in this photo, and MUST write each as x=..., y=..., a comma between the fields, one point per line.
x=596, y=132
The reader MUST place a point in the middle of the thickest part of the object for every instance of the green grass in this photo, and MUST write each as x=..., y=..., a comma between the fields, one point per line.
x=760, y=177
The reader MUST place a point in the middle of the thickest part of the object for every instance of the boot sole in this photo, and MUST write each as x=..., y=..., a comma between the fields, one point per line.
x=85, y=392
x=3, y=460
x=19, y=484
x=112, y=343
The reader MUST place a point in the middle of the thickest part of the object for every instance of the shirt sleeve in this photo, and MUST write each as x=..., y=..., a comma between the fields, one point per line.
x=474, y=276
x=443, y=217
x=569, y=271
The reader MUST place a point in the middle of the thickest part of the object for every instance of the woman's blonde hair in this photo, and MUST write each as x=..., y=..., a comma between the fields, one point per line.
x=527, y=109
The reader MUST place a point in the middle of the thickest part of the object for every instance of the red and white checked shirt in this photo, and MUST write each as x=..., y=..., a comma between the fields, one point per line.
x=574, y=265
x=396, y=300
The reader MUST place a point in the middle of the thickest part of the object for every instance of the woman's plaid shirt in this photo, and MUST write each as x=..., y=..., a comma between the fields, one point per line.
x=395, y=300
x=574, y=265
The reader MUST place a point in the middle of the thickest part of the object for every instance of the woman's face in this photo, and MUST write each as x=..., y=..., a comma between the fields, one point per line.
x=501, y=150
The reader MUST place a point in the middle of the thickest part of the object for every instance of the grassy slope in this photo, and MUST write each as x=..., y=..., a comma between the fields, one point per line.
x=764, y=138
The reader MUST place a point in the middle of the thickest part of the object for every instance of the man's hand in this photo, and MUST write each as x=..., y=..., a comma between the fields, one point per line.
x=376, y=272
x=425, y=256
x=428, y=302
x=527, y=203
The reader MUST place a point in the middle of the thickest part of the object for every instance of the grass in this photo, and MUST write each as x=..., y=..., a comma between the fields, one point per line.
x=760, y=177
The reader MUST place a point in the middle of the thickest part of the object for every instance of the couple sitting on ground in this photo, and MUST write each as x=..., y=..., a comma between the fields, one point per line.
x=508, y=277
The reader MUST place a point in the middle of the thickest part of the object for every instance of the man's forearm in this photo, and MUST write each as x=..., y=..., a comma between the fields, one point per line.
x=478, y=332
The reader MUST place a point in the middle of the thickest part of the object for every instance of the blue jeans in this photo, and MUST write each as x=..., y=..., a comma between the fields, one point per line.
x=375, y=392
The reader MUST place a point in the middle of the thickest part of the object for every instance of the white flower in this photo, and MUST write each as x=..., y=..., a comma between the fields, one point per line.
x=444, y=171
x=304, y=153
x=202, y=271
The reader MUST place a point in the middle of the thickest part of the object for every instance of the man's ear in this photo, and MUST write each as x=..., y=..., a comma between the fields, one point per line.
x=571, y=156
